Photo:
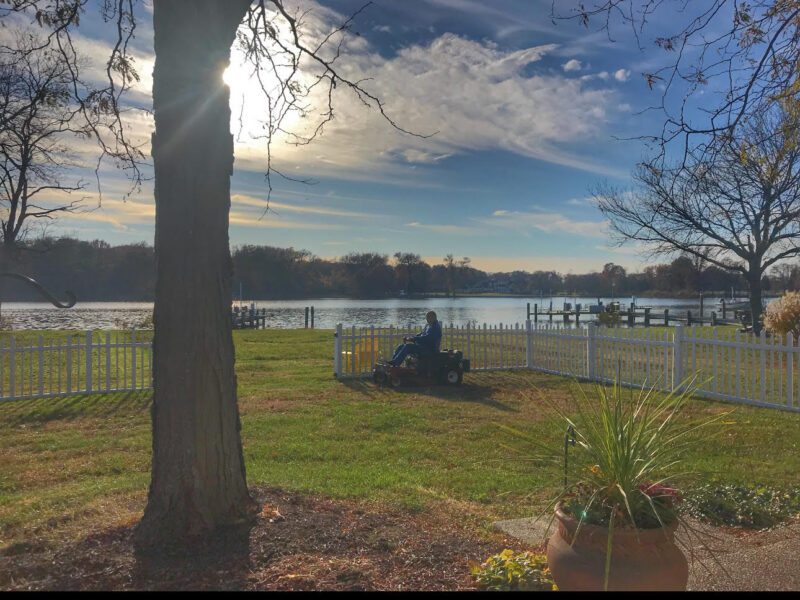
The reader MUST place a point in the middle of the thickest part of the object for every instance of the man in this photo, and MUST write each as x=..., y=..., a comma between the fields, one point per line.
x=425, y=343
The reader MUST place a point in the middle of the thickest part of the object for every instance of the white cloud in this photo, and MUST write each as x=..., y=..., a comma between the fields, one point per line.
x=473, y=95
x=603, y=75
x=560, y=264
x=622, y=75
x=572, y=65
x=582, y=201
x=445, y=229
x=278, y=207
x=548, y=222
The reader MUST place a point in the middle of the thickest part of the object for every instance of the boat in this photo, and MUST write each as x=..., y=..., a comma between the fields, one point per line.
x=734, y=303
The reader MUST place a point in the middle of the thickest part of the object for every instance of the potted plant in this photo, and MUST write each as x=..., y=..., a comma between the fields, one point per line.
x=617, y=511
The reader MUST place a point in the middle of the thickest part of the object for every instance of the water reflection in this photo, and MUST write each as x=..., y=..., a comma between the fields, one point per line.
x=330, y=311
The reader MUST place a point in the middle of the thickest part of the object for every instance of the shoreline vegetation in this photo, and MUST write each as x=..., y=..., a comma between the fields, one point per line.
x=98, y=272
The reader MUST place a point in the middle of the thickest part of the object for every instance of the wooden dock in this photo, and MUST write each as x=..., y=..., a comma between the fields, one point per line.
x=248, y=318
x=646, y=316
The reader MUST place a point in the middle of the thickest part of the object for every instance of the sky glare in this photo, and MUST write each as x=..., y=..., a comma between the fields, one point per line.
x=528, y=114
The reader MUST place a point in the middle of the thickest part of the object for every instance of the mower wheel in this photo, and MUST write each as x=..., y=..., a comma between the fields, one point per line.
x=454, y=376
x=380, y=378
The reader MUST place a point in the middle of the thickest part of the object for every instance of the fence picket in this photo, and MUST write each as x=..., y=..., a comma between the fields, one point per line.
x=789, y=370
x=41, y=366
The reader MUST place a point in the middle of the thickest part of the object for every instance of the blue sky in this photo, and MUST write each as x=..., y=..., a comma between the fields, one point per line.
x=527, y=112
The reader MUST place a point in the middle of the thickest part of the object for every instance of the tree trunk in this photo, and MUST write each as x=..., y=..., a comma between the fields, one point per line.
x=198, y=478
x=754, y=283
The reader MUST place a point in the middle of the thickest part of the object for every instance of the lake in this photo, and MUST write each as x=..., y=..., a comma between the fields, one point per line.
x=288, y=314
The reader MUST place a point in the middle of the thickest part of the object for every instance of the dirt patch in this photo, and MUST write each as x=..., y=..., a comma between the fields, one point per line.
x=299, y=542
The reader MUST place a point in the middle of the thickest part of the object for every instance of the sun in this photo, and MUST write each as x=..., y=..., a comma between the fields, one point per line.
x=249, y=101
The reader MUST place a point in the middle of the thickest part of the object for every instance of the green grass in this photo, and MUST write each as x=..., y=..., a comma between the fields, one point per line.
x=70, y=465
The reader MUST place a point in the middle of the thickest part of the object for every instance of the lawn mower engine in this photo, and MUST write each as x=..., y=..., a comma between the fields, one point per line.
x=447, y=367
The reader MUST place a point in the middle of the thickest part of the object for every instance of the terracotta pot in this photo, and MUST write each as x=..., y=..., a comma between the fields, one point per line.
x=651, y=562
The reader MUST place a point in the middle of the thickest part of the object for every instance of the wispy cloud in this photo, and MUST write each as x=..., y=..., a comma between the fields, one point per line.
x=445, y=229
x=251, y=220
x=548, y=222
x=572, y=65
x=582, y=201
x=552, y=262
x=277, y=207
x=474, y=95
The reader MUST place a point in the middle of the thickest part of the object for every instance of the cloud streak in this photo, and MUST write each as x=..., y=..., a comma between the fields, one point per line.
x=548, y=222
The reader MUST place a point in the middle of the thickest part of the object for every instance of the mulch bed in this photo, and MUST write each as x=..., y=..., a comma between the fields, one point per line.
x=299, y=542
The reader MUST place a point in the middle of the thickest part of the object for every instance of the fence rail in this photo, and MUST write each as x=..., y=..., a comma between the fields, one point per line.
x=726, y=365
x=93, y=362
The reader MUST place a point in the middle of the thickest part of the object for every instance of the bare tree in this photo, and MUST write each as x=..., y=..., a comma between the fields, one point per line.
x=450, y=274
x=38, y=119
x=198, y=477
x=453, y=271
x=408, y=268
x=743, y=55
x=737, y=208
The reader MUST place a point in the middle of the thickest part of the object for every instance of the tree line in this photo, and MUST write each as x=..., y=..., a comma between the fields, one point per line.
x=96, y=270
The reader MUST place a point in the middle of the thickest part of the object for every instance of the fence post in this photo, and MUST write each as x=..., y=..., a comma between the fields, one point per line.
x=591, y=352
x=677, y=358
x=88, y=373
x=337, y=351
x=528, y=344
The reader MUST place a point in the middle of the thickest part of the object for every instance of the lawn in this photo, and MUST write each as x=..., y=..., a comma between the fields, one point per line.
x=71, y=466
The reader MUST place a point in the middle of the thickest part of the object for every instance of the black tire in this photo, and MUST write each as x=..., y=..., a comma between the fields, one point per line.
x=380, y=377
x=395, y=382
x=454, y=376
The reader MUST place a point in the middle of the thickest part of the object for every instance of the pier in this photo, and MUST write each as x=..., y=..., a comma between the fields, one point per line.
x=634, y=316
x=249, y=318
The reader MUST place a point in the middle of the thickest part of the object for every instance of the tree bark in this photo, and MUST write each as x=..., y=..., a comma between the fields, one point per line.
x=198, y=477
x=754, y=283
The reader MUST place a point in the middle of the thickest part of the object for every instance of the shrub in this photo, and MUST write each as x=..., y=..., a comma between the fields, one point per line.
x=742, y=506
x=783, y=315
x=508, y=571
x=609, y=319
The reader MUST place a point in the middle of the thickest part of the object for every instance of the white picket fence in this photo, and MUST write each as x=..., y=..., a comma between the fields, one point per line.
x=93, y=362
x=722, y=364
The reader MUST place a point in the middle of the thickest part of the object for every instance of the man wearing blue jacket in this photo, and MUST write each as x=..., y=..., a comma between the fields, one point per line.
x=425, y=343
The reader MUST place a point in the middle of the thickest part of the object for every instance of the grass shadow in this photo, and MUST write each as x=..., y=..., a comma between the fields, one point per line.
x=67, y=408
x=466, y=392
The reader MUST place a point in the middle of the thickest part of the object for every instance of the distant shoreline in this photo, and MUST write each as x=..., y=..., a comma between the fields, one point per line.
x=682, y=295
